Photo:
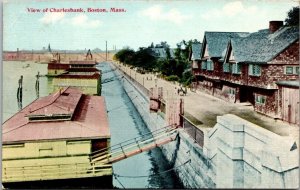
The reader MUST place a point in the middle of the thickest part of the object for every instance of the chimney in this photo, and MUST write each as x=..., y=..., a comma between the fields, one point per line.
x=275, y=25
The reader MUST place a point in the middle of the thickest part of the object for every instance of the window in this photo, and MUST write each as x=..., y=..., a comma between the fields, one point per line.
x=203, y=65
x=292, y=70
x=297, y=70
x=231, y=91
x=259, y=99
x=289, y=70
x=236, y=68
x=254, y=70
x=210, y=65
x=226, y=67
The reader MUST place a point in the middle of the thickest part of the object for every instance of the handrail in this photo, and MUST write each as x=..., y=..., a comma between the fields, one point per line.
x=141, y=136
x=135, y=145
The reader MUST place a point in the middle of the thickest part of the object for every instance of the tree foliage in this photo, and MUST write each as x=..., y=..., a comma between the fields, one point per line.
x=292, y=17
x=177, y=67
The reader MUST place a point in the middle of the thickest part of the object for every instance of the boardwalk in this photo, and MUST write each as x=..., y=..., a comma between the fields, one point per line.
x=203, y=108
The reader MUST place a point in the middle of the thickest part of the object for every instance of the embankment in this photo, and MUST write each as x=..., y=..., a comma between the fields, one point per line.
x=235, y=153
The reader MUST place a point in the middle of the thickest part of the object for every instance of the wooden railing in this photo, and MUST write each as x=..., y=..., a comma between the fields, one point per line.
x=135, y=146
x=57, y=171
x=194, y=132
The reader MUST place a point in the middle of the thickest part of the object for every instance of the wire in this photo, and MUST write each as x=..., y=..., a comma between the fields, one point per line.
x=117, y=175
x=119, y=181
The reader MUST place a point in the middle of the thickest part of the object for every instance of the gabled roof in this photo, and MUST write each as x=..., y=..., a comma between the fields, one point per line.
x=216, y=42
x=196, y=48
x=88, y=118
x=262, y=46
x=161, y=52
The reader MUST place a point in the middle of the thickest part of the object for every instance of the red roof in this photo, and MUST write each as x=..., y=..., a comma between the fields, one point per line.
x=85, y=62
x=89, y=119
x=88, y=69
x=58, y=66
x=78, y=76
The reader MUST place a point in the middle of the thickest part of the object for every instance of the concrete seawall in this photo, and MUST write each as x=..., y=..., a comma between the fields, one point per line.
x=236, y=153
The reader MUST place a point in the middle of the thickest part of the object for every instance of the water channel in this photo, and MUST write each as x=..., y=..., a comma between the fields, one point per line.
x=145, y=170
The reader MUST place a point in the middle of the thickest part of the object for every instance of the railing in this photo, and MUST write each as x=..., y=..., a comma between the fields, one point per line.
x=134, y=146
x=57, y=171
x=135, y=82
x=193, y=131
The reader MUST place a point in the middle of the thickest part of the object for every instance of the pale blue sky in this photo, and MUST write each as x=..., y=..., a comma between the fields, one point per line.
x=142, y=23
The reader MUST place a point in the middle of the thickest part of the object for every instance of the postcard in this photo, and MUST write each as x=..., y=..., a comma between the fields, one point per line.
x=150, y=94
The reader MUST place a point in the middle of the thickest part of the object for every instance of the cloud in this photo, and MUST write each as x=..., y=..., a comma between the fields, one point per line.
x=52, y=17
x=230, y=9
x=80, y=20
x=158, y=13
x=83, y=21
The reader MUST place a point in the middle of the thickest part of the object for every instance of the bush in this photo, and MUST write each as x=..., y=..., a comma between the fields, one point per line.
x=172, y=78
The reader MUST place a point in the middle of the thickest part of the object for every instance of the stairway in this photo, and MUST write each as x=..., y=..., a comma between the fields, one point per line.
x=134, y=146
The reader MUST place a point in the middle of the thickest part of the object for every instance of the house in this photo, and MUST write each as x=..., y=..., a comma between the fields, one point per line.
x=213, y=48
x=51, y=139
x=247, y=67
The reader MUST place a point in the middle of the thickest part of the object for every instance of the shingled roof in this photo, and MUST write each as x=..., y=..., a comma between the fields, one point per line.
x=217, y=41
x=263, y=46
x=196, y=48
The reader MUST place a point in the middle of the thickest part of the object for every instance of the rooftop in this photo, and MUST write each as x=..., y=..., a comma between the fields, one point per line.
x=217, y=41
x=263, y=46
x=66, y=114
x=84, y=62
x=196, y=48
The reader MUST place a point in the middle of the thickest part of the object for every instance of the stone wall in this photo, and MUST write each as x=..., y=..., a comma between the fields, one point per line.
x=248, y=156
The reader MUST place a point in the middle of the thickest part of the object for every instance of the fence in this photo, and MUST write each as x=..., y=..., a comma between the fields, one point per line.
x=136, y=83
x=193, y=131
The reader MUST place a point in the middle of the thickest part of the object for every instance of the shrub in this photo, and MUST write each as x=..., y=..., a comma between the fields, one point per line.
x=172, y=78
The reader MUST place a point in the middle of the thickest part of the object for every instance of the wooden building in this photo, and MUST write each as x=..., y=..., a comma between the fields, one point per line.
x=50, y=142
x=86, y=79
x=81, y=74
x=245, y=67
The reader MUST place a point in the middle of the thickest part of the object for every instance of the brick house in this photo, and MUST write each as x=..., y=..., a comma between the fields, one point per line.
x=213, y=48
x=249, y=66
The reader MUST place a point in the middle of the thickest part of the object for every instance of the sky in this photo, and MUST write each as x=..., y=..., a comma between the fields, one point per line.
x=144, y=22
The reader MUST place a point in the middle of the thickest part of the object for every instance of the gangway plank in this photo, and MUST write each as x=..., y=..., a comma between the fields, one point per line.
x=135, y=146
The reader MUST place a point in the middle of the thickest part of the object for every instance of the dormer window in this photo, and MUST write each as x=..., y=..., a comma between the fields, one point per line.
x=209, y=65
x=226, y=67
x=254, y=70
x=236, y=68
x=203, y=65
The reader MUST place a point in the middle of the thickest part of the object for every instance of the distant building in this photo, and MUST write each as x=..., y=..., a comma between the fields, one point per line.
x=82, y=74
x=86, y=79
x=248, y=67
x=52, y=138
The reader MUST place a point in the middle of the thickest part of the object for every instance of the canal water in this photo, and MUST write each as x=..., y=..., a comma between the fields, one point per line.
x=145, y=170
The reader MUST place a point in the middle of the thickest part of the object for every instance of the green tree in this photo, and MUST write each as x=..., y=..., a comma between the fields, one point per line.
x=292, y=17
x=125, y=56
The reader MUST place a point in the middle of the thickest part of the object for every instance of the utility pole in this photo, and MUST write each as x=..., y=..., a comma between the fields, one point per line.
x=106, y=50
